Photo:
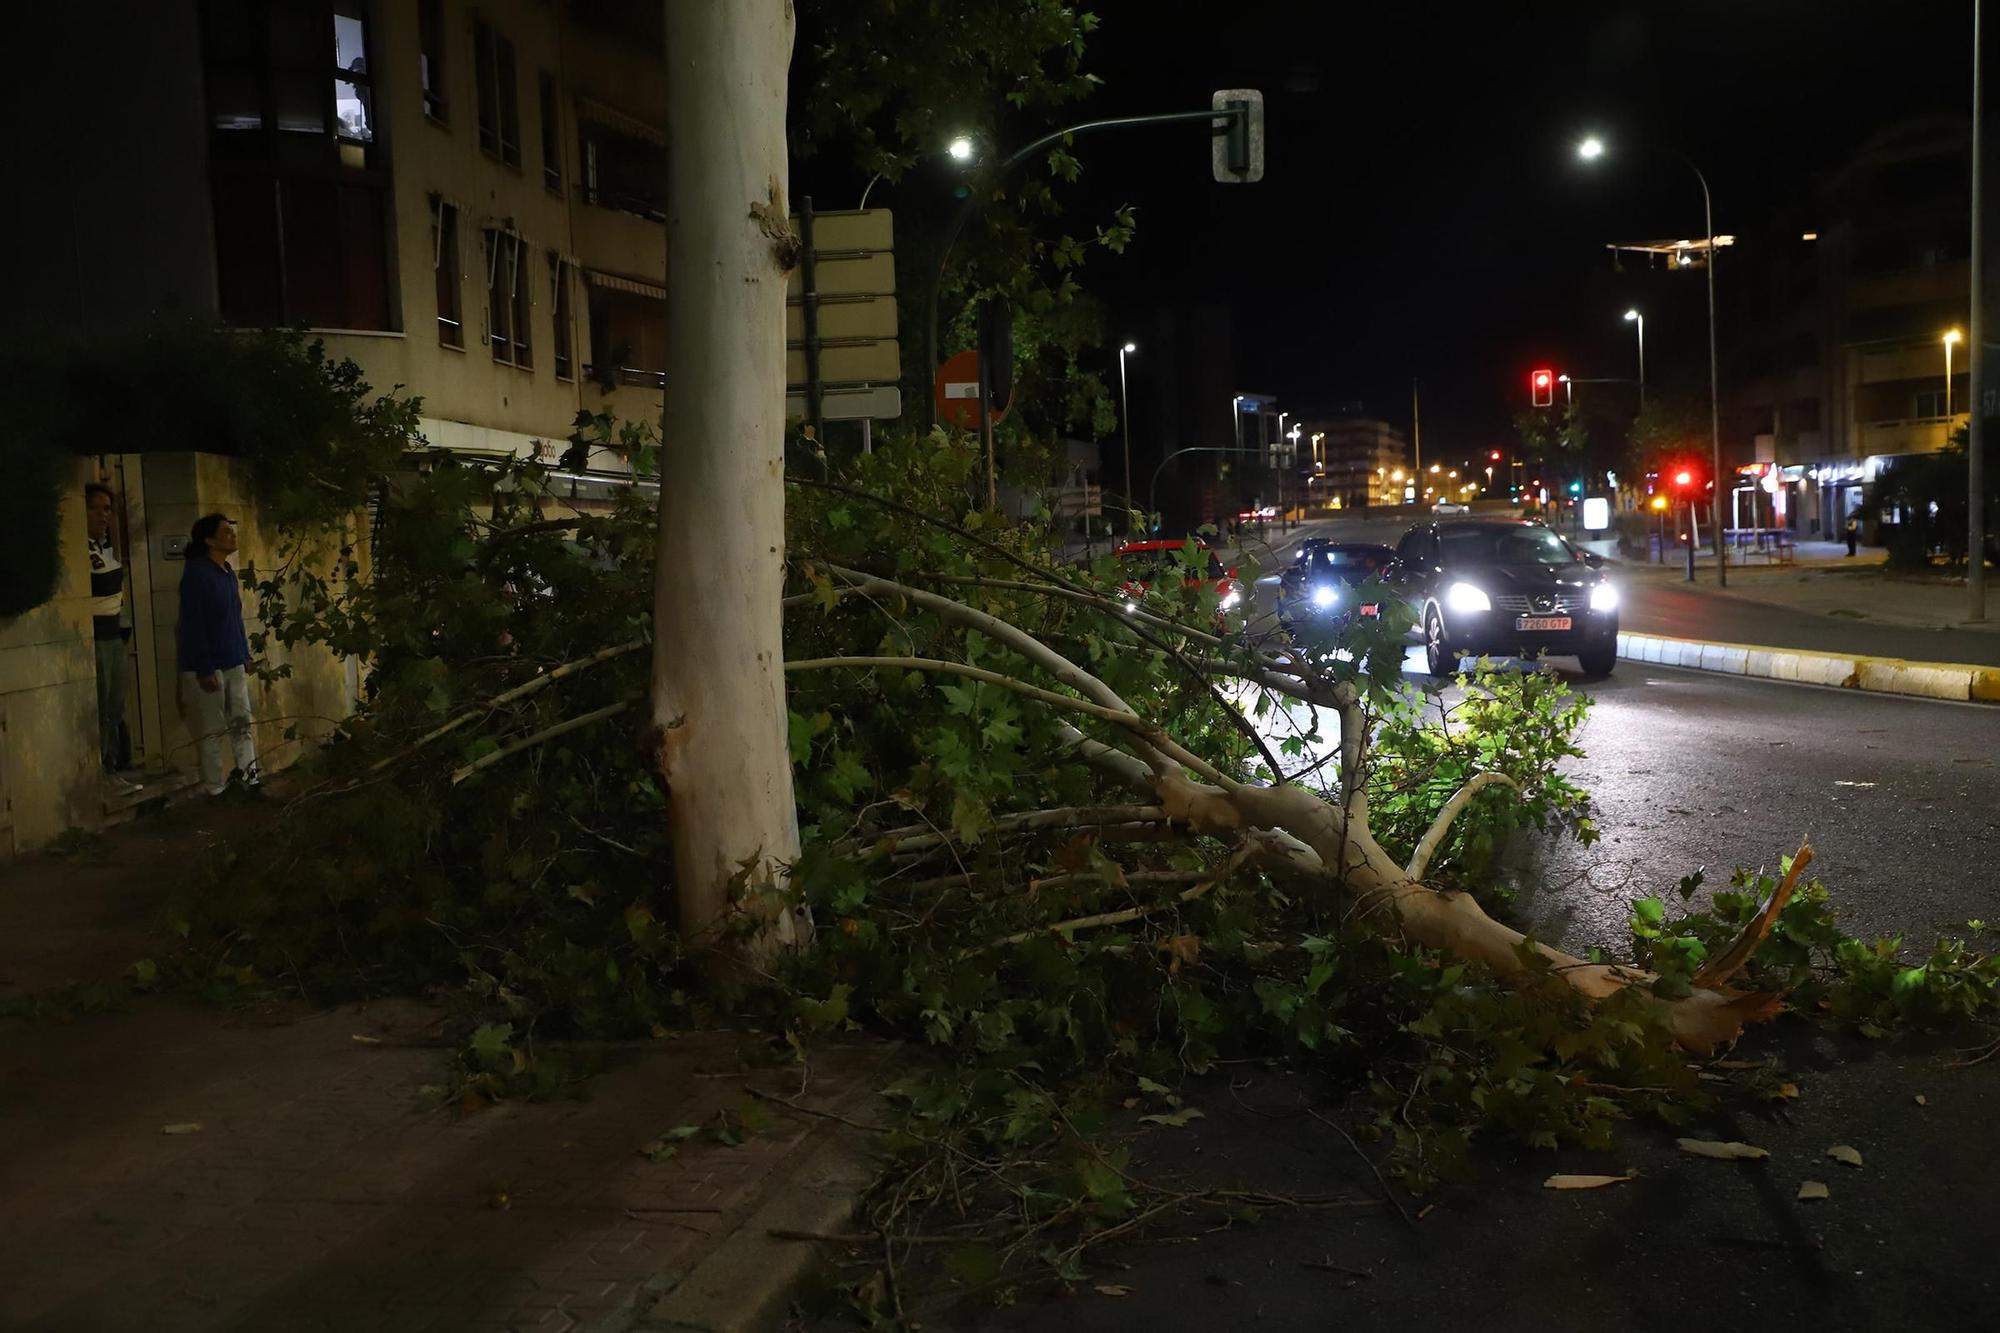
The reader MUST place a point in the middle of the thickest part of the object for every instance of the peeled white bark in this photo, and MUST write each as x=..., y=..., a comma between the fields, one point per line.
x=718, y=692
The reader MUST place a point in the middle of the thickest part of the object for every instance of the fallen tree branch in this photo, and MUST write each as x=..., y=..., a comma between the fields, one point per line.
x=1123, y=717
x=911, y=837
x=562, y=728
x=1420, y=860
x=505, y=697
x=1719, y=970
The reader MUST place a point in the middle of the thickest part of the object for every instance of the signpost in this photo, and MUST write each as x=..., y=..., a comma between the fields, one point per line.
x=842, y=358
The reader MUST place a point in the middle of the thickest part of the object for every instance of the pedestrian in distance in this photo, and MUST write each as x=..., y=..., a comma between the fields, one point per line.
x=1853, y=535
x=111, y=627
x=214, y=652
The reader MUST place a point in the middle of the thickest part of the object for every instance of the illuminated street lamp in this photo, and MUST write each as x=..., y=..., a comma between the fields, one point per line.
x=960, y=148
x=1590, y=150
x=1125, y=413
x=1633, y=316
x=1951, y=339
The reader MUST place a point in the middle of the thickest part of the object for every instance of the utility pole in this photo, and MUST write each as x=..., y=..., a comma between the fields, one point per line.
x=1416, y=432
x=1975, y=428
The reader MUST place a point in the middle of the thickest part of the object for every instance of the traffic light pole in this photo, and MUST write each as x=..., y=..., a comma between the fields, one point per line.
x=1975, y=428
x=1234, y=121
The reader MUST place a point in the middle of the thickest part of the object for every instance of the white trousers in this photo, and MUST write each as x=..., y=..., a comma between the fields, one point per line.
x=209, y=715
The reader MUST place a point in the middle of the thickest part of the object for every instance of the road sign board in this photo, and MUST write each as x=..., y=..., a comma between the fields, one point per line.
x=956, y=390
x=881, y=402
x=854, y=285
x=863, y=361
x=844, y=317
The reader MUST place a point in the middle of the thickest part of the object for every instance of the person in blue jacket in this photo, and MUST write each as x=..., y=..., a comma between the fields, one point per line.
x=213, y=654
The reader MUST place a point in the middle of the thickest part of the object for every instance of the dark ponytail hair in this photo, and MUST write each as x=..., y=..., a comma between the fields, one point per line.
x=204, y=528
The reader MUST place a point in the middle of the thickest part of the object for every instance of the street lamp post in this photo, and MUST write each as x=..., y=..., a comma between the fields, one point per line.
x=1591, y=149
x=1975, y=426
x=1125, y=412
x=1950, y=340
x=1635, y=316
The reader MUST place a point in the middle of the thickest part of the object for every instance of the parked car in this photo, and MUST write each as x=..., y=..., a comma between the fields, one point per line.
x=1450, y=507
x=1322, y=586
x=1505, y=588
x=1143, y=562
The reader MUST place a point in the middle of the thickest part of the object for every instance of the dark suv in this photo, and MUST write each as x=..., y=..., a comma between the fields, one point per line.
x=1505, y=588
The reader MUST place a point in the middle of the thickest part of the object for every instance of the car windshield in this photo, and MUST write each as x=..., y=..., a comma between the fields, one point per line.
x=1504, y=546
x=1348, y=561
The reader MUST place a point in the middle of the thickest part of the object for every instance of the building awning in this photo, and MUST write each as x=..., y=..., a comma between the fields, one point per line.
x=611, y=118
x=618, y=282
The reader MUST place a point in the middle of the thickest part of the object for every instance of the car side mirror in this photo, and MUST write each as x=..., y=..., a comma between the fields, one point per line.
x=1593, y=559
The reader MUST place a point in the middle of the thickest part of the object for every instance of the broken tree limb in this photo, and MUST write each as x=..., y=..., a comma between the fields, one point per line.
x=1719, y=970
x=505, y=697
x=562, y=728
x=1420, y=860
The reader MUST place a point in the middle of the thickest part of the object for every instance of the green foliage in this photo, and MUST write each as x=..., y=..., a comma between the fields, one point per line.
x=1871, y=987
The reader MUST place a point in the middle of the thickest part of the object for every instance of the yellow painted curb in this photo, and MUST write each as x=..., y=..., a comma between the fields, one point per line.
x=1876, y=675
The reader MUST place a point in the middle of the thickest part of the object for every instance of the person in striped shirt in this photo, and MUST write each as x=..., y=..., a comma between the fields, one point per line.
x=111, y=626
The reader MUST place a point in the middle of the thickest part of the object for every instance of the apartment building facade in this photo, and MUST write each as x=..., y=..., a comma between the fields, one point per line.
x=467, y=199
x=1842, y=368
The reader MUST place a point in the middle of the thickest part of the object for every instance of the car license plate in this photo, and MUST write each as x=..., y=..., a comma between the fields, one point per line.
x=1542, y=622
x=1370, y=609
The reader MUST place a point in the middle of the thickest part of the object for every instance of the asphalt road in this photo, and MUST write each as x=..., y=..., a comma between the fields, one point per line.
x=1901, y=798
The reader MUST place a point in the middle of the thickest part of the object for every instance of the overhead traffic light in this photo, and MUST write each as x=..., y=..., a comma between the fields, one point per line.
x=1683, y=478
x=1542, y=383
x=1495, y=455
x=1576, y=488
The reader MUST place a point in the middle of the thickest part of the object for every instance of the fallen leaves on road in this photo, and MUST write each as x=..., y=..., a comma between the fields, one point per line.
x=1562, y=1182
x=1813, y=1189
x=1177, y=1120
x=365, y=1040
x=184, y=1127
x=1113, y=1289
x=669, y=1143
x=1728, y=1152
x=1921, y=1101
x=1845, y=1155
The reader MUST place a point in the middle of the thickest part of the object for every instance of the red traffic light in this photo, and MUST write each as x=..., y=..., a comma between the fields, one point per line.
x=1542, y=384
x=1683, y=478
x=1495, y=455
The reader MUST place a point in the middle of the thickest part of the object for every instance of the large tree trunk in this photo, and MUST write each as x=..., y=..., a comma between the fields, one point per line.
x=718, y=697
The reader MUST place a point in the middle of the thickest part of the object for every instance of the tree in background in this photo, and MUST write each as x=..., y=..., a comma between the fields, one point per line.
x=1000, y=72
x=1921, y=505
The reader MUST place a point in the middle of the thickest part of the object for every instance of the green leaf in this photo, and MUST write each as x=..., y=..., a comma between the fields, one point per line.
x=490, y=1043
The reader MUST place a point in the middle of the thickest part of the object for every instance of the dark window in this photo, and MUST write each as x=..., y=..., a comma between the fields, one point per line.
x=552, y=172
x=562, y=275
x=430, y=58
x=1805, y=414
x=507, y=300
x=444, y=258
x=622, y=170
x=1929, y=404
x=628, y=335
x=298, y=179
x=499, y=94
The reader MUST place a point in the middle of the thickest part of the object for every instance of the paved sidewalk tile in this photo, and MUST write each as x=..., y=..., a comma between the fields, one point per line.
x=318, y=1195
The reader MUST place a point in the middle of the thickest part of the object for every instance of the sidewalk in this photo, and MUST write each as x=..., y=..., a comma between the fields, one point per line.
x=313, y=1191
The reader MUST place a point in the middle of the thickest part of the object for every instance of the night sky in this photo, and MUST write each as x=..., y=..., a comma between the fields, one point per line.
x=1423, y=211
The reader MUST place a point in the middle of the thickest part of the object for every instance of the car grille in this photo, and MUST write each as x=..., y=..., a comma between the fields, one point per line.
x=1560, y=604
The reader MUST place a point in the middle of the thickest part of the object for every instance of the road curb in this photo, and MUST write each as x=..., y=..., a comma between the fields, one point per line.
x=1877, y=675
x=745, y=1283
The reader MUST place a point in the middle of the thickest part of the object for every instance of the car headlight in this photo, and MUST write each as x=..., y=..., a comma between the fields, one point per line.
x=1230, y=598
x=1465, y=597
x=1325, y=596
x=1604, y=597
